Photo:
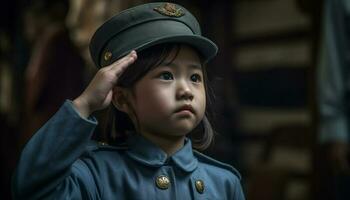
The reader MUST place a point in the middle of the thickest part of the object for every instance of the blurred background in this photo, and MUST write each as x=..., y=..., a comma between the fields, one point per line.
x=264, y=78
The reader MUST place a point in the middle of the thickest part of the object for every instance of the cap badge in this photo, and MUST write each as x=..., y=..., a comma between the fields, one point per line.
x=170, y=9
x=107, y=56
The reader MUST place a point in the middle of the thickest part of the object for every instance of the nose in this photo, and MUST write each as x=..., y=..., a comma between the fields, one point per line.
x=184, y=92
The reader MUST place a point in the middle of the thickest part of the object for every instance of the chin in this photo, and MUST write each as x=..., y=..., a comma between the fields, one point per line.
x=176, y=129
x=181, y=131
x=183, y=128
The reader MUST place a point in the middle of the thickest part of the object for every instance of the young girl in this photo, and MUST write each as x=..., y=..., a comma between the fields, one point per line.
x=160, y=96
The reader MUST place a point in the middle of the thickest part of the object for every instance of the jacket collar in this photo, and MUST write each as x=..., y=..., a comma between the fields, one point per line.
x=147, y=153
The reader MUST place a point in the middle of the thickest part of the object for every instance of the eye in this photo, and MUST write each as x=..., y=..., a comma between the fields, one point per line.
x=196, y=78
x=166, y=76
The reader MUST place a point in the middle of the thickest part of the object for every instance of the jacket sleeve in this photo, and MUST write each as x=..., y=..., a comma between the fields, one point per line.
x=238, y=191
x=48, y=167
x=333, y=73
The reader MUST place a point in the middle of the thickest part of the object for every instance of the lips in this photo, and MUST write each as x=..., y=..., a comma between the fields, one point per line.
x=185, y=108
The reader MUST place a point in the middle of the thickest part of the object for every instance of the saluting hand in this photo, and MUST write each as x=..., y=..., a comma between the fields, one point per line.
x=99, y=93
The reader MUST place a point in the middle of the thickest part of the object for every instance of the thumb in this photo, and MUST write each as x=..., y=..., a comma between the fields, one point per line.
x=108, y=99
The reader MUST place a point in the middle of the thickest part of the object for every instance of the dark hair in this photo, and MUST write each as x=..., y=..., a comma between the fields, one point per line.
x=119, y=125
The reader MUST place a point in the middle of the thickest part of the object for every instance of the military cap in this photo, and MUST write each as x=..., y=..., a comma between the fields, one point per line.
x=146, y=25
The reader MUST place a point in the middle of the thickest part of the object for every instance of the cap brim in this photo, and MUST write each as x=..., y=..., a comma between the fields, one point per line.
x=206, y=47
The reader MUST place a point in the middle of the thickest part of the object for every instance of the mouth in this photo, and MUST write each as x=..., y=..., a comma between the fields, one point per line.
x=185, y=108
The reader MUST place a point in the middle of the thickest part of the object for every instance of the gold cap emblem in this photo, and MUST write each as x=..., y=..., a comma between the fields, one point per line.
x=199, y=186
x=170, y=9
x=107, y=56
x=162, y=182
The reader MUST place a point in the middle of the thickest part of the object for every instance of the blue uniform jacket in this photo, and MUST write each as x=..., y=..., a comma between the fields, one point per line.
x=61, y=162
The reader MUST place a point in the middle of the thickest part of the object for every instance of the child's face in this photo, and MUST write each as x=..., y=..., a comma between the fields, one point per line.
x=161, y=96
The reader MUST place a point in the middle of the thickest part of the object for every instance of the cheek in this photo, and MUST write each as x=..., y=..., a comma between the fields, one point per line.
x=154, y=99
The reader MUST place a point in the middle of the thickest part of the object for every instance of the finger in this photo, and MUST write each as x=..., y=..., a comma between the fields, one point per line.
x=118, y=69
x=126, y=57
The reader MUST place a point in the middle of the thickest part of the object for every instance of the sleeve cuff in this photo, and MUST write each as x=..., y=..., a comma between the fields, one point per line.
x=69, y=105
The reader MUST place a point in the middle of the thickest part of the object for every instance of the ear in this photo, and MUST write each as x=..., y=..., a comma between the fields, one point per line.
x=121, y=99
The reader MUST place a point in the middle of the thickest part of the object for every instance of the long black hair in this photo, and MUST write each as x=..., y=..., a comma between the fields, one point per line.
x=119, y=125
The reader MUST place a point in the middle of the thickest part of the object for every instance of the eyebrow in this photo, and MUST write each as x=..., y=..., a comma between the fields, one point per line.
x=193, y=66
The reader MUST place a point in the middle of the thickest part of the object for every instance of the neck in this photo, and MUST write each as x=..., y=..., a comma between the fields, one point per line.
x=169, y=144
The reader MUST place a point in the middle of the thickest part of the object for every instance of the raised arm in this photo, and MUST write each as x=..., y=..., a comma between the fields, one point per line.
x=49, y=166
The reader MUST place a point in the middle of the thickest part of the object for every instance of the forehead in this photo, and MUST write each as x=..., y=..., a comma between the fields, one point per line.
x=184, y=55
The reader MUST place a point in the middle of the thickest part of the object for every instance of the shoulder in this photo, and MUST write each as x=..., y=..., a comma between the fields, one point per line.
x=224, y=178
x=101, y=154
x=217, y=166
x=102, y=150
x=99, y=146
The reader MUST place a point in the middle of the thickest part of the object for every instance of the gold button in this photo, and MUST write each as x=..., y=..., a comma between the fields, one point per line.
x=107, y=56
x=162, y=182
x=199, y=186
